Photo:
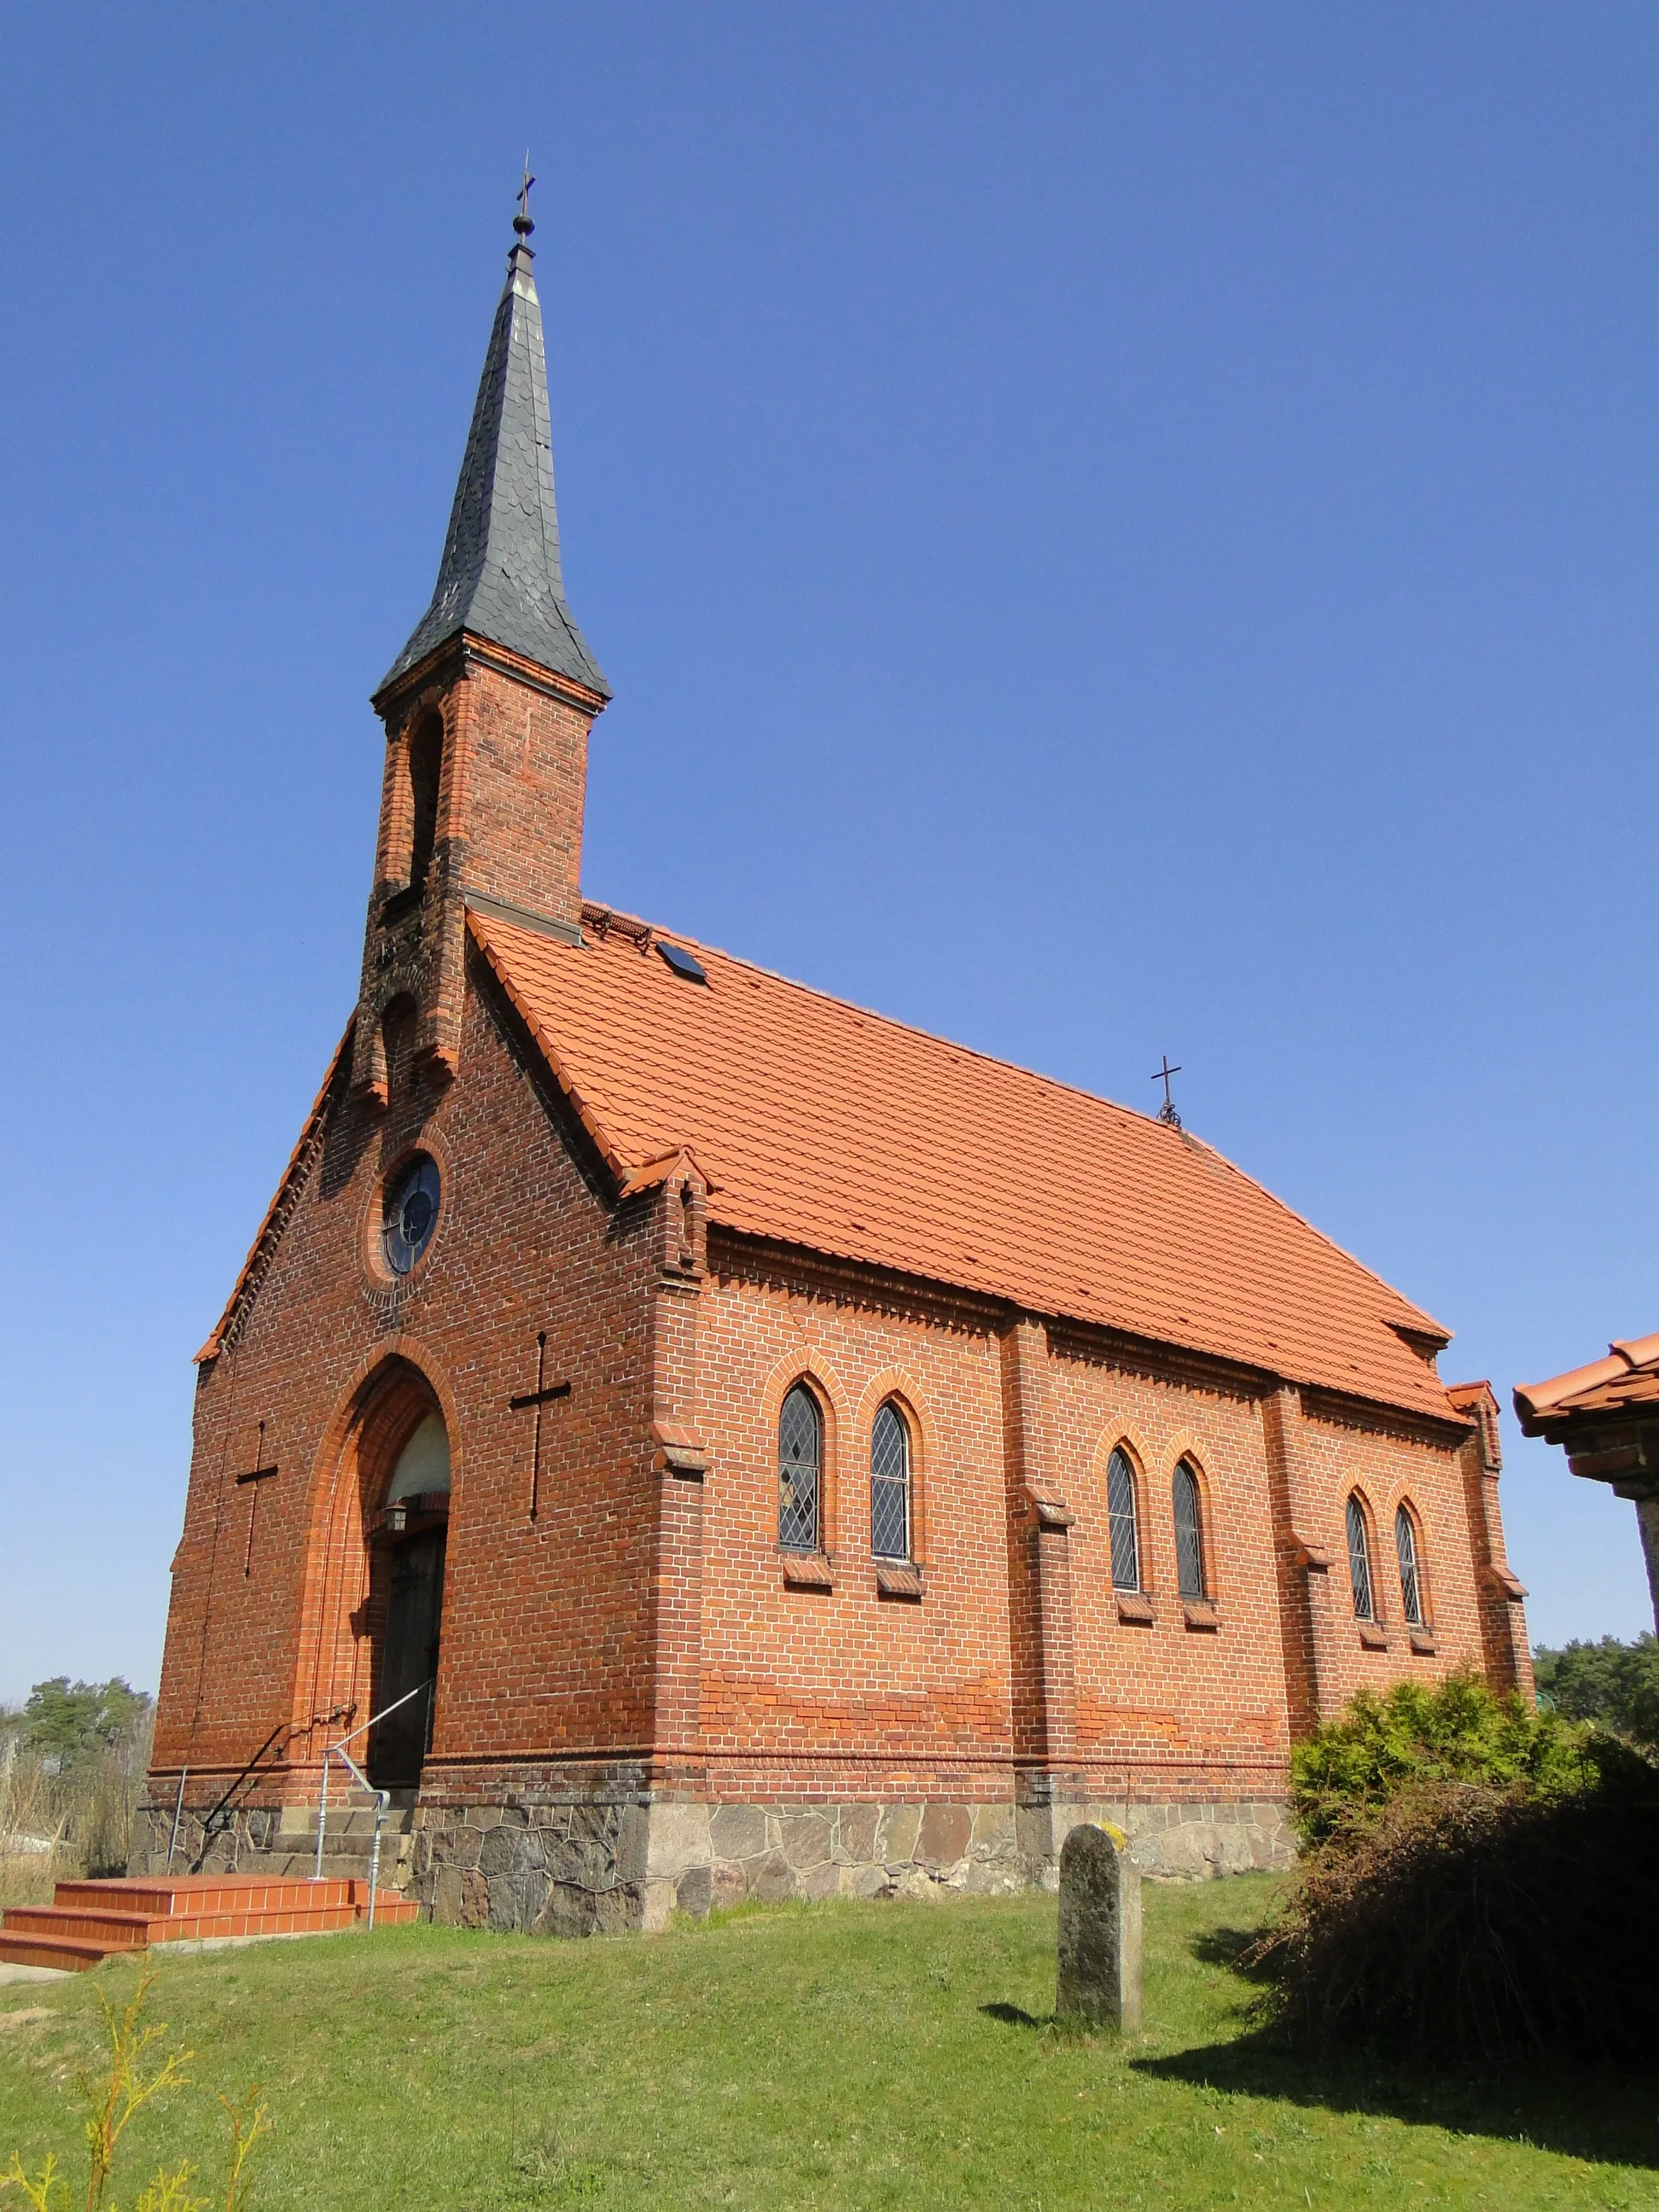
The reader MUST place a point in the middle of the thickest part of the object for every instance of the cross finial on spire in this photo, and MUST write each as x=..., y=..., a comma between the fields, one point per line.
x=521, y=221
x=1166, y=1112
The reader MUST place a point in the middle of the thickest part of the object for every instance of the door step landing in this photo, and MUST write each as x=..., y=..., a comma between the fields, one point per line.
x=91, y=1921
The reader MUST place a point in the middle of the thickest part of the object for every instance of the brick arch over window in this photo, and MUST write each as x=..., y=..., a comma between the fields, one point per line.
x=1411, y=1562
x=816, y=1376
x=1126, y=1540
x=392, y=1393
x=897, y=1386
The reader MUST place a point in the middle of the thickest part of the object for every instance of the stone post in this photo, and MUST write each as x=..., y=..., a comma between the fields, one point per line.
x=1099, y=1978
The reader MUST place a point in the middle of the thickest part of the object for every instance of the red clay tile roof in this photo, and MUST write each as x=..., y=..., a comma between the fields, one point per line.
x=823, y=1125
x=1627, y=1377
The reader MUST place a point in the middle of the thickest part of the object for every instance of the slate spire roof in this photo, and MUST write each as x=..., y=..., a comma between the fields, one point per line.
x=501, y=576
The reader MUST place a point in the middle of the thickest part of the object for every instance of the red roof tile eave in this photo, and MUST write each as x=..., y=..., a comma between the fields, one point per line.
x=1436, y=1404
x=216, y=1343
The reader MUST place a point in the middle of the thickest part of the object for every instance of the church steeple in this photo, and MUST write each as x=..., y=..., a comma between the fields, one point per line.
x=501, y=577
x=487, y=712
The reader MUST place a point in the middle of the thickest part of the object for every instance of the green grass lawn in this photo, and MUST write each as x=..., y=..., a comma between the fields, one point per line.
x=886, y=2054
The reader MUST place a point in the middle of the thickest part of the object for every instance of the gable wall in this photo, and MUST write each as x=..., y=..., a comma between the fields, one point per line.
x=545, y=1647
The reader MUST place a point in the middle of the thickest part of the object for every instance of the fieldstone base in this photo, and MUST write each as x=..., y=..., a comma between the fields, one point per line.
x=581, y=1869
x=252, y=1834
x=538, y=1870
x=1168, y=1843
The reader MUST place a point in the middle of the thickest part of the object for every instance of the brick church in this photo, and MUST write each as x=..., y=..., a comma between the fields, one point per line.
x=744, y=1446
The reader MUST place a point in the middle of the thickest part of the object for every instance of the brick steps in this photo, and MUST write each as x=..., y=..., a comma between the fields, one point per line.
x=89, y=1921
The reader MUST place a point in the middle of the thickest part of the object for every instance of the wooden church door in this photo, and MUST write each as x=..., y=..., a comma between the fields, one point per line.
x=413, y=1621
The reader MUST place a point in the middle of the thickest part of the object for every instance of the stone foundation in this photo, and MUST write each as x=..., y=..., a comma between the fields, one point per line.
x=252, y=1834
x=563, y=1869
x=559, y=1869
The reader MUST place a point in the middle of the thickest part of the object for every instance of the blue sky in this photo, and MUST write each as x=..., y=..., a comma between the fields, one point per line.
x=1113, y=530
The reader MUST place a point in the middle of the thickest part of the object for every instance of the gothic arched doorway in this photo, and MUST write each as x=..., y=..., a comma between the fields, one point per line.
x=408, y=1537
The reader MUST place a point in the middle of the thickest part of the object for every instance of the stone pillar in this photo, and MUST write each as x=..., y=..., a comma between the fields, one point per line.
x=1307, y=1605
x=1042, y=1688
x=1099, y=1977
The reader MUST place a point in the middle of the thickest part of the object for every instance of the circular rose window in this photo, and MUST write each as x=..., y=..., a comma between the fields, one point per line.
x=412, y=1213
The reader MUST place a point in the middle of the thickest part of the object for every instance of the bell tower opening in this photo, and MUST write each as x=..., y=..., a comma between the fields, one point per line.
x=426, y=755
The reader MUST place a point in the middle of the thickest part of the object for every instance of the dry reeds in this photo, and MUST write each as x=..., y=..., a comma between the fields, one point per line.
x=63, y=1823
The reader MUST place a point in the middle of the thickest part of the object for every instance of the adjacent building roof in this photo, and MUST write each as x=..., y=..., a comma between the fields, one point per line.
x=820, y=1125
x=501, y=577
x=1628, y=1378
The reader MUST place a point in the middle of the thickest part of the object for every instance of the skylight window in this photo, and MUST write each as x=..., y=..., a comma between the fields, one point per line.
x=682, y=961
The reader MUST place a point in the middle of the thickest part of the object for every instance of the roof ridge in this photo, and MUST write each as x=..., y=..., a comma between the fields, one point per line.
x=1149, y=1122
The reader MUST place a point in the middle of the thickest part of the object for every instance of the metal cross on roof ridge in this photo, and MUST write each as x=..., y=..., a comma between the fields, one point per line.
x=1167, y=1112
x=521, y=221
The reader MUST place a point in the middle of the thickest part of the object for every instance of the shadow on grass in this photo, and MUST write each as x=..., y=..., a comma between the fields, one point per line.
x=1230, y=1947
x=1584, y=2112
x=1013, y=2015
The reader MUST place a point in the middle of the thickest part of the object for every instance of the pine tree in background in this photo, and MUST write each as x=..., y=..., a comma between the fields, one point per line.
x=1613, y=1684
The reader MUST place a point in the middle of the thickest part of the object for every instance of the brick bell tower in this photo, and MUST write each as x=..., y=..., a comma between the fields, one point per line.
x=486, y=711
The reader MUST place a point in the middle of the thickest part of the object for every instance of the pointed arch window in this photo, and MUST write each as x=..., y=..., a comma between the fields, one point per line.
x=1411, y=1567
x=1359, y=1562
x=800, y=1460
x=1122, y=1522
x=890, y=1485
x=1189, y=1532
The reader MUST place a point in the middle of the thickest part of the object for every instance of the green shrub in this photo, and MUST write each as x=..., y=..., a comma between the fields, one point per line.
x=1457, y=1731
x=1458, y=1922
x=1615, y=1685
x=1475, y=1879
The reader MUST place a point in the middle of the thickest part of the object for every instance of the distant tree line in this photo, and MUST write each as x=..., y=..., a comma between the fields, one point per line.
x=72, y=1762
x=1615, y=1685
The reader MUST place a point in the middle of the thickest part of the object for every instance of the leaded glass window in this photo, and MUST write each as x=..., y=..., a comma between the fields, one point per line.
x=1121, y=1520
x=890, y=1486
x=1189, y=1533
x=1411, y=1581
x=800, y=1452
x=411, y=1214
x=1359, y=1562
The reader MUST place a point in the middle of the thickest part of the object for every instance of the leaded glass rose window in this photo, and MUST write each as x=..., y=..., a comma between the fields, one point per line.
x=412, y=1213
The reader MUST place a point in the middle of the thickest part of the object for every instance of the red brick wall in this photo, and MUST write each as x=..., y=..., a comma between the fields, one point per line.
x=1178, y=1708
x=844, y=1693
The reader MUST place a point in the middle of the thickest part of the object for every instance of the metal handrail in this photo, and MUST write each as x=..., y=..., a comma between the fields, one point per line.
x=216, y=1824
x=382, y=1798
